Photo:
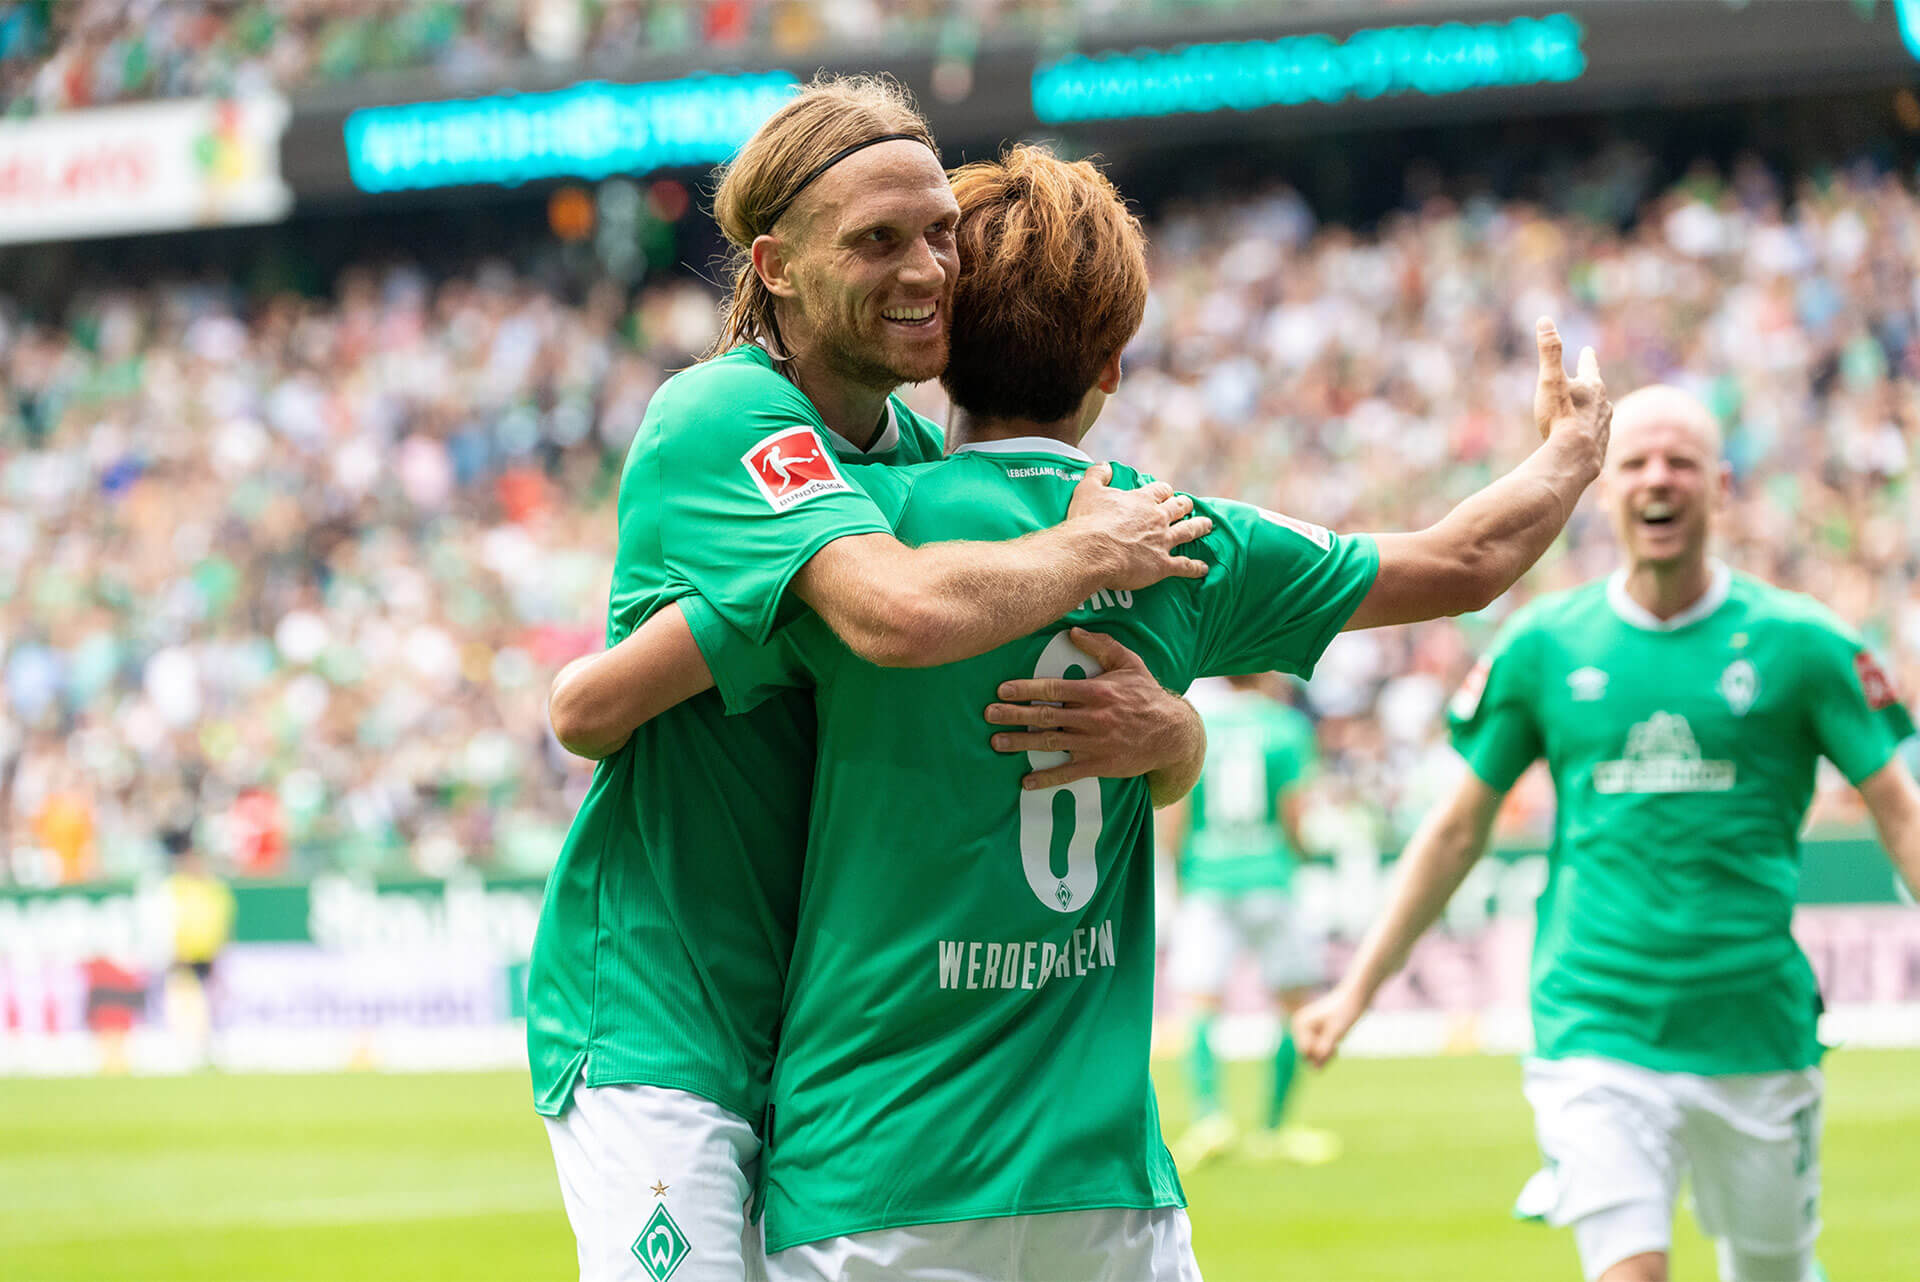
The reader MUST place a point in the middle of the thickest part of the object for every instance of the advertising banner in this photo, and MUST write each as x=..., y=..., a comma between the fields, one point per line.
x=341, y=973
x=152, y=167
x=1228, y=75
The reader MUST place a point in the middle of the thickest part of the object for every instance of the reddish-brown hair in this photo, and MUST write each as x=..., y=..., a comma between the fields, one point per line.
x=1053, y=282
x=831, y=113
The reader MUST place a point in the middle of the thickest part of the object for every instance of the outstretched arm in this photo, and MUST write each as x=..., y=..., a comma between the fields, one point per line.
x=1448, y=843
x=1893, y=798
x=599, y=700
x=1482, y=547
x=905, y=607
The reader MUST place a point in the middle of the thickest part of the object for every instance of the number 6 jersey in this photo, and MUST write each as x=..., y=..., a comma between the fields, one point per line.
x=969, y=1008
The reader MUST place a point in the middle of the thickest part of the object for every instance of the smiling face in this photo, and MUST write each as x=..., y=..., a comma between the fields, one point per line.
x=1664, y=477
x=870, y=266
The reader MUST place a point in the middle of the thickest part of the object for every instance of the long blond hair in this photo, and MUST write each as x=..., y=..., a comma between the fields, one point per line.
x=832, y=113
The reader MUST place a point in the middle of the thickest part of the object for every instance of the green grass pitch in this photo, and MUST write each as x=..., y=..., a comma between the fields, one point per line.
x=412, y=1179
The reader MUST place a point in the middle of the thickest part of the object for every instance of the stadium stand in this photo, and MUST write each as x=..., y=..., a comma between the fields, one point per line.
x=87, y=53
x=393, y=500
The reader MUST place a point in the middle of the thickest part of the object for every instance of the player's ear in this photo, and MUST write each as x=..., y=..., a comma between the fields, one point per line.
x=1723, y=484
x=1109, y=380
x=771, y=265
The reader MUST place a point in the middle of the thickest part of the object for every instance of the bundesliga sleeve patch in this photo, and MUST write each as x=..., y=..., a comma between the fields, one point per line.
x=792, y=467
x=1874, y=682
x=1466, y=700
x=1318, y=535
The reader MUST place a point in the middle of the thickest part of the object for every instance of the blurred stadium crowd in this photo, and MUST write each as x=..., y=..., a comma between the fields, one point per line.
x=302, y=567
x=62, y=54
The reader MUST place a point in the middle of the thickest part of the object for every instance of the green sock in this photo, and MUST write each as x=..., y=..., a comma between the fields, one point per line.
x=1285, y=1060
x=1206, y=1073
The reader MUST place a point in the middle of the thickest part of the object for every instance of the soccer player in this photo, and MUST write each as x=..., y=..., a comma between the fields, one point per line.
x=655, y=983
x=203, y=910
x=1236, y=839
x=962, y=1090
x=1681, y=709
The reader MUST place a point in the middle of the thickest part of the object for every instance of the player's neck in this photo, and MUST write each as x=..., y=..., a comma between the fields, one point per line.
x=966, y=428
x=856, y=411
x=1665, y=590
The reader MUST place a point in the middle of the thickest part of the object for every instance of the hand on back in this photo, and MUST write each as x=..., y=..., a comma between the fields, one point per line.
x=1133, y=533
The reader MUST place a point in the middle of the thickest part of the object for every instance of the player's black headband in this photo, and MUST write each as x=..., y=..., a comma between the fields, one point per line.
x=835, y=159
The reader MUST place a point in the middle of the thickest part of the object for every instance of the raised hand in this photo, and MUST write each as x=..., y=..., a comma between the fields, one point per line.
x=1577, y=407
x=1134, y=532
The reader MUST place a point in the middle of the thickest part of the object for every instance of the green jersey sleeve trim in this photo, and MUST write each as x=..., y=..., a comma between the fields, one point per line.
x=1491, y=717
x=1364, y=567
x=745, y=487
x=746, y=673
x=1858, y=719
x=1279, y=591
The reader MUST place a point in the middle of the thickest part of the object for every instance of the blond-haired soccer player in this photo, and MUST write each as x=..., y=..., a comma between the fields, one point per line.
x=654, y=989
x=1681, y=708
x=962, y=1089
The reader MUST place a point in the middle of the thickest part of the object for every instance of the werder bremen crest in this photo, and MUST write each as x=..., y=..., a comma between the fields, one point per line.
x=661, y=1247
x=1740, y=685
x=1662, y=756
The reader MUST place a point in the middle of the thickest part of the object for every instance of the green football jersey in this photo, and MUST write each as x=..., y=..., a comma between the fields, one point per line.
x=1683, y=755
x=971, y=999
x=663, y=942
x=1257, y=748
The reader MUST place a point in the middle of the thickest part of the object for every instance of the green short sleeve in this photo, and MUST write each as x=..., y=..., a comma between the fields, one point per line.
x=746, y=672
x=1492, y=716
x=1858, y=718
x=746, y=487
x=1279, y=591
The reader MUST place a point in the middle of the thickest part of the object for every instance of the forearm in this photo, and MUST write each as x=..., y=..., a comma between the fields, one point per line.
x=598, y=701
x=1436, y=861
x=905, y=607
x=1186, y=753
x=1503, y=529
x=1481, y=548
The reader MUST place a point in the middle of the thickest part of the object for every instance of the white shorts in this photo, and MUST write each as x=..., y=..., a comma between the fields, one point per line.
x=656, y=1183
x=1213, y=929
x=1107, y=1245
x=1619, y=1139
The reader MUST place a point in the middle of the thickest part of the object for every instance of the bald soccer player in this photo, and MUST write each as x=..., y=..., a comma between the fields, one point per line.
x=1681, y=709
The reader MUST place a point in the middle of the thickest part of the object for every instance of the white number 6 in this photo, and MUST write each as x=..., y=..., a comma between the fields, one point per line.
x=1062, y=894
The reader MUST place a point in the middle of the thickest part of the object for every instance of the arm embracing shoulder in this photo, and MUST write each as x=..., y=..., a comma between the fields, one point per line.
x=599, y=700
x=901, y=606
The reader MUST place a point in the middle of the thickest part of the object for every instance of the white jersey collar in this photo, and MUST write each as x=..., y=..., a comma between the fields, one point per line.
x=889, y=438
x=1025, y=445
x=1719, y=580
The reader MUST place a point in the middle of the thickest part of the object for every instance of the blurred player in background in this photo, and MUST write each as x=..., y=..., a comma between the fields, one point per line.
x=1682, y=709
x=963, y=1088
x=1236, y=839
x=203, y=911
x=654, y=987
